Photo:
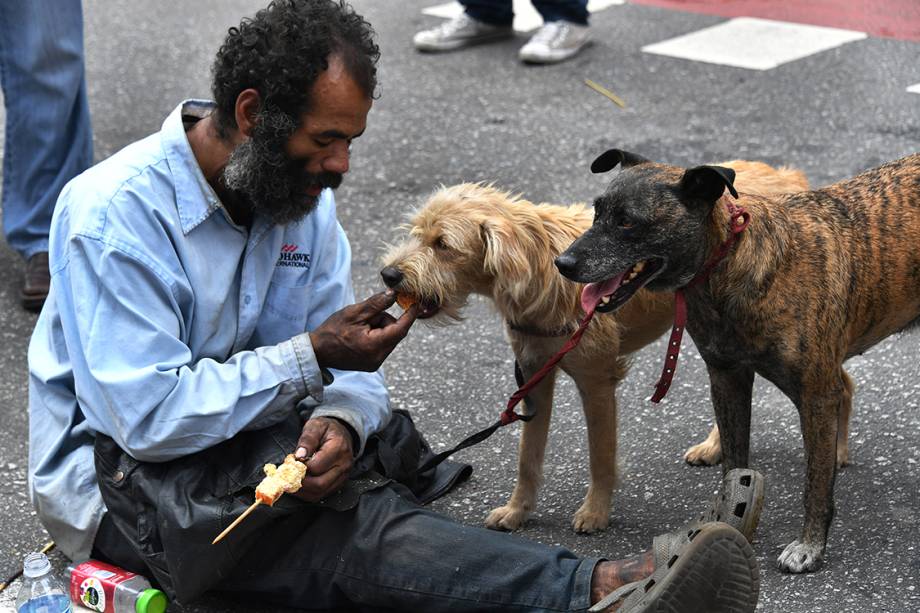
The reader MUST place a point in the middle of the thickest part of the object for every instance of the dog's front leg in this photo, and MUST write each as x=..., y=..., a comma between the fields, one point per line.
x=598, y=399
x=531, y=451
x=819, y=411
x=731, y=391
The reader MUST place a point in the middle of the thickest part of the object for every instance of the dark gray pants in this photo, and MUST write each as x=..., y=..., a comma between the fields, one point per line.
x=390, y=553
x=371, y=546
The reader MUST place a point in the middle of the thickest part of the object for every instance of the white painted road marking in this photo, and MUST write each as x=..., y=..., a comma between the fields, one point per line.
x=758, y=44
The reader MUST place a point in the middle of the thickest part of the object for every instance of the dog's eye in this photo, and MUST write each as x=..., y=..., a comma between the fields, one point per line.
x=439, y=244
x=625, y=223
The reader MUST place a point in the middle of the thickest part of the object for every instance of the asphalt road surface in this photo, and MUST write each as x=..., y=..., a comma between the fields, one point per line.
x=480, y=115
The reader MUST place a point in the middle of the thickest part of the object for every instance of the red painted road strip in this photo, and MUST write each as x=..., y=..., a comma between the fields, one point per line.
x=898, y=19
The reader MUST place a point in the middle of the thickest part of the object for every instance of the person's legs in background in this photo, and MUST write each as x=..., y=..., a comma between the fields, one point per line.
x=563, y=34
x=48, y=137
x=493, y=12
x=482, y=21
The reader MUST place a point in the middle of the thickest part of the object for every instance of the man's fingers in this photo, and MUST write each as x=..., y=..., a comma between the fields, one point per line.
x=315, y=488
x=310, y=439
x=329, y=456
x=377, y=303
x=381, y=320
x=397, y=329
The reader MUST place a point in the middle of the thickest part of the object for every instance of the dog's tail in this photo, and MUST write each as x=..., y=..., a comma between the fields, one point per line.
x=764, y=180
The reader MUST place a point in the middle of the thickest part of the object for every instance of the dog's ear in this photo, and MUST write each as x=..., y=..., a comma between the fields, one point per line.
x=610, y=158
x=509, y=258
x=708, y=182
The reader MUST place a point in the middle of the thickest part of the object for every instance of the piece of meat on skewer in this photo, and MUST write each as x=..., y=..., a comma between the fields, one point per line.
x=285, y=478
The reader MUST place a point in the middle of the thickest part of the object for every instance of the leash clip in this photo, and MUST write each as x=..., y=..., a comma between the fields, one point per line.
x=508, y=416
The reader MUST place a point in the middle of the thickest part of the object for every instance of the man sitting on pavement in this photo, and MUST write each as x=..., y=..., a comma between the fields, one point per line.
x=200, y=323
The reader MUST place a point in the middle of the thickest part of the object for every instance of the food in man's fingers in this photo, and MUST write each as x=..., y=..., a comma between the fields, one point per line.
x=405, y=301
x=286, y=477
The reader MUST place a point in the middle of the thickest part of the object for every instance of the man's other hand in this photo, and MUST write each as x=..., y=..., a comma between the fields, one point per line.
x=361, y=336
x=325, y=444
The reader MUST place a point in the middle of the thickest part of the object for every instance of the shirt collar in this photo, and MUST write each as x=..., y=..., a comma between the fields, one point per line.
x=195, y=199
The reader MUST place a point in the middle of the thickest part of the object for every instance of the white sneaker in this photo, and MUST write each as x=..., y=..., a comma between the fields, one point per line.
x=461, y=31
x=555, y=41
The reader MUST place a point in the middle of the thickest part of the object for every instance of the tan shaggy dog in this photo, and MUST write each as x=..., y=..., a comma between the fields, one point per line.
x=476, y=239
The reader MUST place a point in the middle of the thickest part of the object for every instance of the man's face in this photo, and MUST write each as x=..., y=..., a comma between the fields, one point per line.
x=281, y=176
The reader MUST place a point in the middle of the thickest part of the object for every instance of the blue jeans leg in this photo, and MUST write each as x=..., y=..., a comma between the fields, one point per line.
x=499, y=12
x=390, y=554
x=495, y=12
x=48, y=137
x=575, y=11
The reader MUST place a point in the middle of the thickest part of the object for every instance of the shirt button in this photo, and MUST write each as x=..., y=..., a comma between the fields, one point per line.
x=118, y=476
x=247, y=299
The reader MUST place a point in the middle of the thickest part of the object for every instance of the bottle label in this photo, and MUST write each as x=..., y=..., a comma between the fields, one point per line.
x=92, y=594
x=93, y=583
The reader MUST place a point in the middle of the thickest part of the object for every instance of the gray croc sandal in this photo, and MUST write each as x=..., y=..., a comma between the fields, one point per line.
x=739, y=503
x=715, y=571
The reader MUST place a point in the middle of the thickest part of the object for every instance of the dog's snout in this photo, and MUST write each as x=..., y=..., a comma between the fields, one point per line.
x=392, y=276
x=566, y=264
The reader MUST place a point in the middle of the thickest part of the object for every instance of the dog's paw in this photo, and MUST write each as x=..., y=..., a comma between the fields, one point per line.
x=801, y=558
x=586, y=521
x=704, y=454
x=506, y=518
x=843, y=457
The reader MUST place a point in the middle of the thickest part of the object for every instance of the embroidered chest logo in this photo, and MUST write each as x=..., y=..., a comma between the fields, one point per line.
x=290, y=256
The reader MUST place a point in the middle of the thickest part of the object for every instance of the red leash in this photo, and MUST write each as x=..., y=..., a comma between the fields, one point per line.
x=739, y=221
x=508, y=415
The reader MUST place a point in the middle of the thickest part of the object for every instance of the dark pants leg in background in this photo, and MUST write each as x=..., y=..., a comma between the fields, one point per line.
x=499, y=12
x=495, y=12
x=575, y=11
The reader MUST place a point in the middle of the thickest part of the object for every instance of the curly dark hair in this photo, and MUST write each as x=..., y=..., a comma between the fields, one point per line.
x=283, y=49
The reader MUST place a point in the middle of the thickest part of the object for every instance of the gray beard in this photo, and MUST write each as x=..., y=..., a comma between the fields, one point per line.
x=261, y=173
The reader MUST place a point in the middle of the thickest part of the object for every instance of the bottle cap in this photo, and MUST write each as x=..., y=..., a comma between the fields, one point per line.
x=151, y=601
x=35, y=565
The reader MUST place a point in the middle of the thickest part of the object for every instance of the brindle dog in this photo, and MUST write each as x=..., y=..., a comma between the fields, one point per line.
x=817, y=277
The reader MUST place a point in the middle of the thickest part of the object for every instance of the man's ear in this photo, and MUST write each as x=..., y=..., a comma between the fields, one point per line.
x=708, y=182
x=610, y=158
x=248, y=105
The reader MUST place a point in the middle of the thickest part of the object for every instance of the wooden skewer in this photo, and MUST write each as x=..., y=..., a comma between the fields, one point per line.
x=236, y=521
x=606, y=92
x=258, y=501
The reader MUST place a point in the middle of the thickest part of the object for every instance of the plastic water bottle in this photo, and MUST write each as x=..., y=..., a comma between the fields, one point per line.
x=41, y=592
x=108, y=589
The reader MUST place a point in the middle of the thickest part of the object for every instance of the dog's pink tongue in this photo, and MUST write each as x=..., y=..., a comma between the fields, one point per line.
x=593, y=292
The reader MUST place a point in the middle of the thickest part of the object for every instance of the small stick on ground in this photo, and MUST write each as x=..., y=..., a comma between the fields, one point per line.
x=606, y=92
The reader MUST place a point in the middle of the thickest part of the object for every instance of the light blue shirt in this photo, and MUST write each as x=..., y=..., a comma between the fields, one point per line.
x=170, y=328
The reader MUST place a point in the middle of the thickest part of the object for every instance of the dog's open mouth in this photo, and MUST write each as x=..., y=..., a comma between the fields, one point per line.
x=426, y=307
x=609, y=295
